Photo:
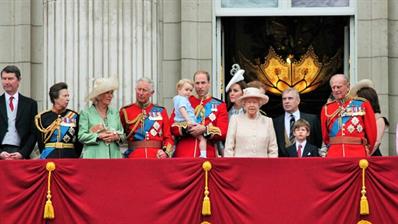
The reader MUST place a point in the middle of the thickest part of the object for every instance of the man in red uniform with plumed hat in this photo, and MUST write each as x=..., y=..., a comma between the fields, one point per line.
x=348, y=123
x=211, y=116
x=146, y=125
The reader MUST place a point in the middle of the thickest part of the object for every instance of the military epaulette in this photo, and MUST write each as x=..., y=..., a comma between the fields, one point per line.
x=330, y=101
x=41, y=113
x=155, y=105
x=127, y=105
x=216, y=101
x=73, y=111
x=359, y=98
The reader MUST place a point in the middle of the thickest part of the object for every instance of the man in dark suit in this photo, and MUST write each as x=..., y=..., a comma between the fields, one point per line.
x=17, y=113
x=283, y=124
x=302, y=148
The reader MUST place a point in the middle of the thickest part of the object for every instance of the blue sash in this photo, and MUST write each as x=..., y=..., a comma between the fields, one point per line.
x=54, y=138
x=213, y=103
x=335, y=126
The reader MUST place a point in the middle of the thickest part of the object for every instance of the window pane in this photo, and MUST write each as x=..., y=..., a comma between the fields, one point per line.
x=320, y=3
x=249, y=3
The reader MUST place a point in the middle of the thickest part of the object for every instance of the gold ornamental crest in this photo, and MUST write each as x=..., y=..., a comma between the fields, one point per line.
x=305, y=75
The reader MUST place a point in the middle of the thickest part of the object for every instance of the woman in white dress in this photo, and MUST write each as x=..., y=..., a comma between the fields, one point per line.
x=251, y=134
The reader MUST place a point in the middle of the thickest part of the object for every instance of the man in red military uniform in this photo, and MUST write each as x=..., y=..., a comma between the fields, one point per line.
x=211, y=116
x=348, y=123
x=146, y=125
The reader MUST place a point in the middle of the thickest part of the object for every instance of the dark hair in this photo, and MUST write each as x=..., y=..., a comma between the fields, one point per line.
x=54, y=90
x=12, y=69
x=202, y=72
x=302, y=123
x=242, y=84
x=371, y=95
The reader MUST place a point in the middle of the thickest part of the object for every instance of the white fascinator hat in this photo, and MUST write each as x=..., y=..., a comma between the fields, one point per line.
x=237, y=75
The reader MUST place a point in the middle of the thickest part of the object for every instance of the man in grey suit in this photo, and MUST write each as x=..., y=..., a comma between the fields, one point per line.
x=283, y=124
x=17, y=113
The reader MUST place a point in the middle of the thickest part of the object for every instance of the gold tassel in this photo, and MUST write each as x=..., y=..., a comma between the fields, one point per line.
x=48, y=208
x=364, y=222
x=206, y=208
x=364, y=205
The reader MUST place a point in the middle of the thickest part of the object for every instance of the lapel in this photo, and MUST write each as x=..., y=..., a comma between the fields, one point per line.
x=20, y=106
x=306, y=151
x=280, y=125
x=292, y=151
x=3, y=109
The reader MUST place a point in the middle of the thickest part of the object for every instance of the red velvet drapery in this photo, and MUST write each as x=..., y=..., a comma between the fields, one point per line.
x=283, y=190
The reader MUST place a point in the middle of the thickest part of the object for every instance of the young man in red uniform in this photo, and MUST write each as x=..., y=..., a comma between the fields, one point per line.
x=146, y=125
x=211, y=116
x=348, y=123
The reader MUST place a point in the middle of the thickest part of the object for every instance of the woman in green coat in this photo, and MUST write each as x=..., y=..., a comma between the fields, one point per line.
x=100, y=129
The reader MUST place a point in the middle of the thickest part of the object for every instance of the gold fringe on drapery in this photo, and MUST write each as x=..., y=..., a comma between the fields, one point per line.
x=206, y=208
x=48, y=208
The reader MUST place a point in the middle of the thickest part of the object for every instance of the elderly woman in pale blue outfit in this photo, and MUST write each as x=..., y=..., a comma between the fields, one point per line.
x=100, y=129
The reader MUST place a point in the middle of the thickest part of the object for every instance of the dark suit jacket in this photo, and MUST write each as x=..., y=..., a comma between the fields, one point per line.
x=315, y=137
x=26, y=111
x=309, y=151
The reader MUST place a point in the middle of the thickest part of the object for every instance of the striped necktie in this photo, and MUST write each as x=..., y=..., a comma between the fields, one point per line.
x=291, y=136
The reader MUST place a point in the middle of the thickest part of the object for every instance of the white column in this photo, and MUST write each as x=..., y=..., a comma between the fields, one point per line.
x=87, y=39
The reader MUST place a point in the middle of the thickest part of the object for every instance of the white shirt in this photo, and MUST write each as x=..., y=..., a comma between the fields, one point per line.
x=11, y=137
x=287, y=121
x=302, y=147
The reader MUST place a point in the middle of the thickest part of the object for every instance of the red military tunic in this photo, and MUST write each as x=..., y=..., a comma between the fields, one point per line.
x=215, y=116
x=349, y=128
x=147, y=130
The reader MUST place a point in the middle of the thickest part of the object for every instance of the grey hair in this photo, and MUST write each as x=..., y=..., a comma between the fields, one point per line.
x=147, y=80
x=291, y=90
x=343, y=75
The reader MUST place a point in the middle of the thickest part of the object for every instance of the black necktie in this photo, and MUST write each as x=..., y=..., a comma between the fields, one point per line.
x=291, y=136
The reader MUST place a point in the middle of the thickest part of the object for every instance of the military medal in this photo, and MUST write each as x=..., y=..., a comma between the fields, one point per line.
x=66, y=138
x=213, y=107
x=158, y=116
x=359, y=128
x=354, y=120
x=156, y=125
x=153, y=132
x=350, y=128
x=212, y=117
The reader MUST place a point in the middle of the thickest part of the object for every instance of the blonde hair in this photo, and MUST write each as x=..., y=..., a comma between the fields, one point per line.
x=181, y=83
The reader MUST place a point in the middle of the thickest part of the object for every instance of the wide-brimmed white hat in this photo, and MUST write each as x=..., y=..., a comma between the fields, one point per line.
x=103, y=85
x=253, y=92
x=361, y=84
